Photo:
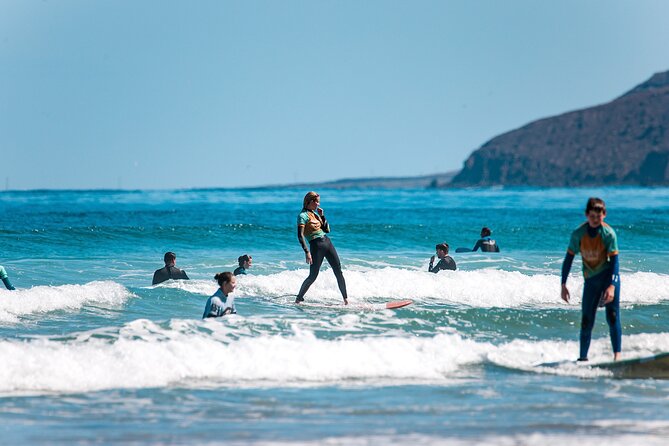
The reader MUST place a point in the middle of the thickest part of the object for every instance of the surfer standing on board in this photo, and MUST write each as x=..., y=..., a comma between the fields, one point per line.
x=312, y=225
x=598, y=245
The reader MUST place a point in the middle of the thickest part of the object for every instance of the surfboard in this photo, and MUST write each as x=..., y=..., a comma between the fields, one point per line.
x=357, y=306
x=656, y=367
x=463, y=250
x=398, y=304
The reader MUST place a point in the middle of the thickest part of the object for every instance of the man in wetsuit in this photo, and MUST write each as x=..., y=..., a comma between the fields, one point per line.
x=245, y=262
x=598, y=245
x=170, y=271
x=5, y=278
x=485, y=242
x=445, y=261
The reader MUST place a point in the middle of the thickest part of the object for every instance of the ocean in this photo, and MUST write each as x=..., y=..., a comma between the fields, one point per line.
x=91, y=353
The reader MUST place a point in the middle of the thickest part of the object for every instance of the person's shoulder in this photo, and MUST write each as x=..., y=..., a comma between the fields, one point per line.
x=303, y=216
x=217, y=297
x=607, y=227
x=607, y=230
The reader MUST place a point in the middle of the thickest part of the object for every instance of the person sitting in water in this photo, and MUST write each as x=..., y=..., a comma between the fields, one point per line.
x=485, y=242
x=445, y=261
x=221, y=303
x=169, y=271
x=5, y=278
x=245, y=262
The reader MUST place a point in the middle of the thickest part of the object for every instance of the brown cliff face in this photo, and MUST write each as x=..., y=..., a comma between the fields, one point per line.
x=625, y=141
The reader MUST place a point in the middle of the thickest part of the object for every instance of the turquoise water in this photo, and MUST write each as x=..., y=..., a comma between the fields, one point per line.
x=91, y=353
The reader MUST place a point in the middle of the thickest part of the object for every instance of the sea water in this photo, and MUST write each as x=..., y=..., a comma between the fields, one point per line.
x=90, y=352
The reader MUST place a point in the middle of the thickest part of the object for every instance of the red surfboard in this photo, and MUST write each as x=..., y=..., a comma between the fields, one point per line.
x=398, y=304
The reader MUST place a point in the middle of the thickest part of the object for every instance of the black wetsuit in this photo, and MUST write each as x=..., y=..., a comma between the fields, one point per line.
x=487, y=245
x=445, y=263
x=168, y=272
x=322, y=248
x=239, y=271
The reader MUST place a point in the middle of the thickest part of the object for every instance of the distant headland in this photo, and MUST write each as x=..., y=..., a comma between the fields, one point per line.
x=622, y=142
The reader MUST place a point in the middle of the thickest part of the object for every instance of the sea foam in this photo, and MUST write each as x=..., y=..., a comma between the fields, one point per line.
x=485, y=288
x=215, y=353
x=46, y=299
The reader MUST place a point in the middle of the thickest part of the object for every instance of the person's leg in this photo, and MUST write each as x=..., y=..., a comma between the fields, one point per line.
x=317, y=255
x=613, y=319
x=591, y=295
x=335, y=263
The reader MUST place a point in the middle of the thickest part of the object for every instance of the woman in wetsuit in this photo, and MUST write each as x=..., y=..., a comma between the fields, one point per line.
x=221, y=303
x=312, y=225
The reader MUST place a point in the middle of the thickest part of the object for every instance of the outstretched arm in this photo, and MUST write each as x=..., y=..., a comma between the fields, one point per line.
x=477, y=246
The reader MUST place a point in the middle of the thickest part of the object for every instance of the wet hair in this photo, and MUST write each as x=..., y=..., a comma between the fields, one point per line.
x=222, y=278
x=443, y=247
x=169, y=257
x=308, y=198
x=595, y=204
x=485, y=231
x=244, y=258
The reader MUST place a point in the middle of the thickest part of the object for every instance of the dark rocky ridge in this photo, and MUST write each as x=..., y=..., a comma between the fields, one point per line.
x=625, y=141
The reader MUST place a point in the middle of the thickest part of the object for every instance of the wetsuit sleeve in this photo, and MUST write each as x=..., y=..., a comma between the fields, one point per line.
x=8, y=284
x=325, y=225
x=478, y=245
x=566, y=266
x=434, y=269
x=300, y=237
x=615, y=270
x=185, y=277
x=443, y=264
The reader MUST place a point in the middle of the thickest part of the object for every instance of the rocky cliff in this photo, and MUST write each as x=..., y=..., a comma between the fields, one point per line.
x=625, y=141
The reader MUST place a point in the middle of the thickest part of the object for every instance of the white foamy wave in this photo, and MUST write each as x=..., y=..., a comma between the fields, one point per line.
x=144, y=354
x=45, y=299
x=217, y=353
x=481, y=288
x=529, y=355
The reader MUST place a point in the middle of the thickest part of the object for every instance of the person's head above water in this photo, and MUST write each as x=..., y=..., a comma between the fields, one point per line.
x=226, y=281
x=595, y=211
x=170, y=258
x=485, y=232
x=310, y=198
x=245, y=260
x=443, y=247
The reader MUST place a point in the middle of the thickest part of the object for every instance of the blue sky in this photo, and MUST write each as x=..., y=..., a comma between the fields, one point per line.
x=177, y=94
